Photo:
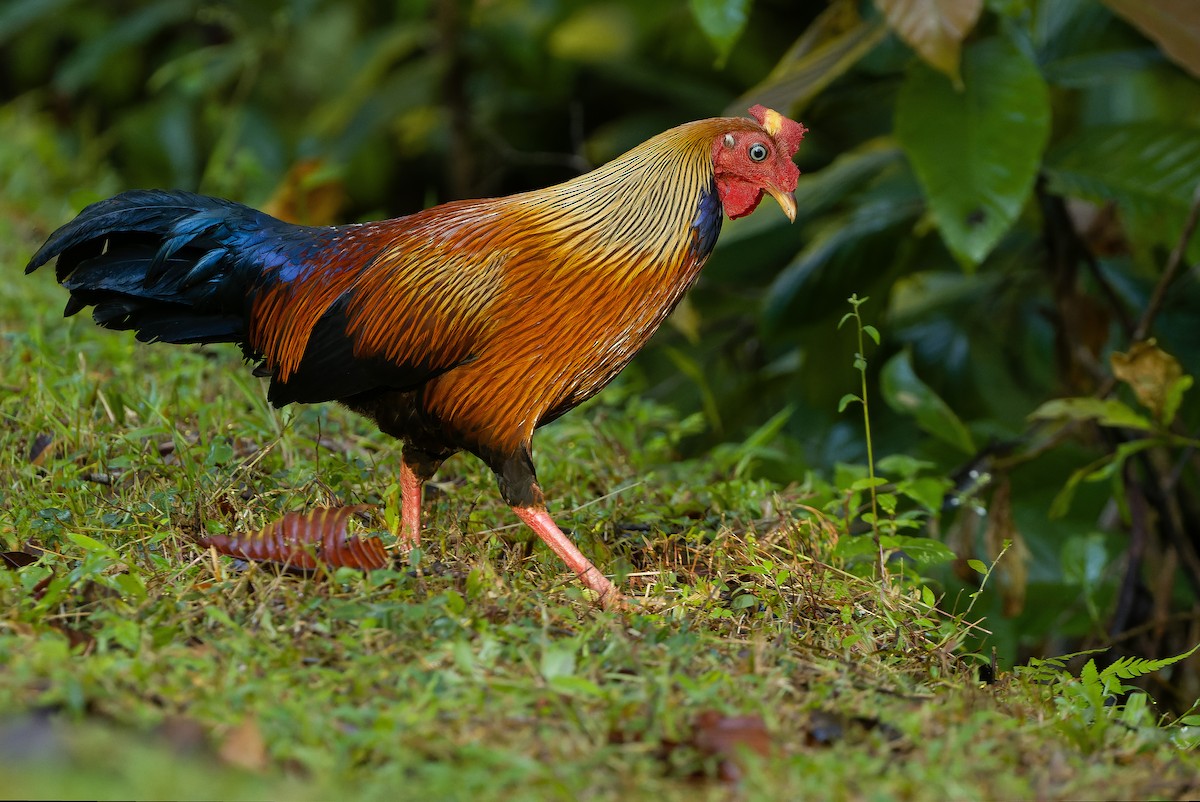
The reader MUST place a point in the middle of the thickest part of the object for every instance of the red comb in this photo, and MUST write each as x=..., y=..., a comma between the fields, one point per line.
x=787, y=133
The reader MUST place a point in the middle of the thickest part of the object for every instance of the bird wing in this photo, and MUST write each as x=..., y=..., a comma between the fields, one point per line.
x=388, y=305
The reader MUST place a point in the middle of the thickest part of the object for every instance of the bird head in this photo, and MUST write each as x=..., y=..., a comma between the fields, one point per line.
x=754, y=157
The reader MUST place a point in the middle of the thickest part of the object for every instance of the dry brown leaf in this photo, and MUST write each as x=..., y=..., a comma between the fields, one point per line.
x=244, y=746
x=728, y=738
x=306, y=541
x=1099, y=226
x=81, y=642
x=310, y=194
x=1152, y=373
x=934, y=28
x=1173, y=24
x=1012, y=572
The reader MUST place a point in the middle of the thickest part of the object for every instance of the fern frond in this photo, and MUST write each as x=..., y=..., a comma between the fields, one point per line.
x=1134, y=667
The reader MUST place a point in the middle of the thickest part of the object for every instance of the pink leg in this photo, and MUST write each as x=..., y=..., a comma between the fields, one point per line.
x=539, y=521
x=410, y=507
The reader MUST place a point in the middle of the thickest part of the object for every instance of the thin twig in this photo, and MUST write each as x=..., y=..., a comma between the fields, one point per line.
x=1172, y=269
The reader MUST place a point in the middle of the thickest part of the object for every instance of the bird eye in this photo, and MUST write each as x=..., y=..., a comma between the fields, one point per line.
x=758, y=151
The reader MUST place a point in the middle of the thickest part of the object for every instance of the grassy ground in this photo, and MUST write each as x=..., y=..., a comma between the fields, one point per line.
x=134, y=663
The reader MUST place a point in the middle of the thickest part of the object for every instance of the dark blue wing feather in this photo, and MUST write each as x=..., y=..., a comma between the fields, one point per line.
x=184, y=268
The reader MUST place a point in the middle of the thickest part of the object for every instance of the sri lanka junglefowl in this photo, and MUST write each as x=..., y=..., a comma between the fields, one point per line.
x=463, y=327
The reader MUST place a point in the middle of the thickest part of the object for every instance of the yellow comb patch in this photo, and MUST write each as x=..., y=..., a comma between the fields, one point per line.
x=772, y=122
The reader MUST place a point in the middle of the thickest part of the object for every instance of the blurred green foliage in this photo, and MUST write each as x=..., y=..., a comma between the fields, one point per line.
x=1008, y=193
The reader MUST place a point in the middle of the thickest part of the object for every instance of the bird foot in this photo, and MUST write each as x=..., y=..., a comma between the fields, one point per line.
x=606, y=594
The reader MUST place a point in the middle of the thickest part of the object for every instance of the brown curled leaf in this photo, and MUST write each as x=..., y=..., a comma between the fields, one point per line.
x=306, y=541
x=727, y=738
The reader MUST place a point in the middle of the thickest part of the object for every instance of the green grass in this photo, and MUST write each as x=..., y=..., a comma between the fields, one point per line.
x=476, y=670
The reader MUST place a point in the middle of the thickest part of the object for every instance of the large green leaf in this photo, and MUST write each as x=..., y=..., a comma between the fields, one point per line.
x=975, y=152
x=904, y=392
x=1149, y=169
x=1105, y=411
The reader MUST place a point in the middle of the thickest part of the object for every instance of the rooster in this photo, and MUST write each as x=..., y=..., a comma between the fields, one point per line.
x=463, y=327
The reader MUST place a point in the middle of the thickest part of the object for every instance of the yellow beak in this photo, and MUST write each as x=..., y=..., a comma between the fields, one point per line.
x=786, y=202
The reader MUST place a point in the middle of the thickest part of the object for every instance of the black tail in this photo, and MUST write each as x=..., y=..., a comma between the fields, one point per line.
x=171, y=266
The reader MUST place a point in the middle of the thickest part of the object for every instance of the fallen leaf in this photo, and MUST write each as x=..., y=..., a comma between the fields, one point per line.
x=729, y=738
x=81, y=642
x=306, y=541
x=243, y=746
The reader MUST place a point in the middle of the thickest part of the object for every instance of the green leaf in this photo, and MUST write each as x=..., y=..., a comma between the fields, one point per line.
x=558, y=660
x=1084, y=559
x=928, y=491
x=978, y=567
x=130, y=585
x=579, y=687
x=1089, y=675
x=1174, y=397
x=722, y=22
x=1105, y=411
x=924, y=550
x=455, y=603
x=1101, y=469
x=975, y=152
x=902, y=465
x=92, y=545
x=867, y=483
x=907, y=394
x=847, y=400
x=851, y=549
x=744, y=601
x=1149, y=169
x=1134, y=667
